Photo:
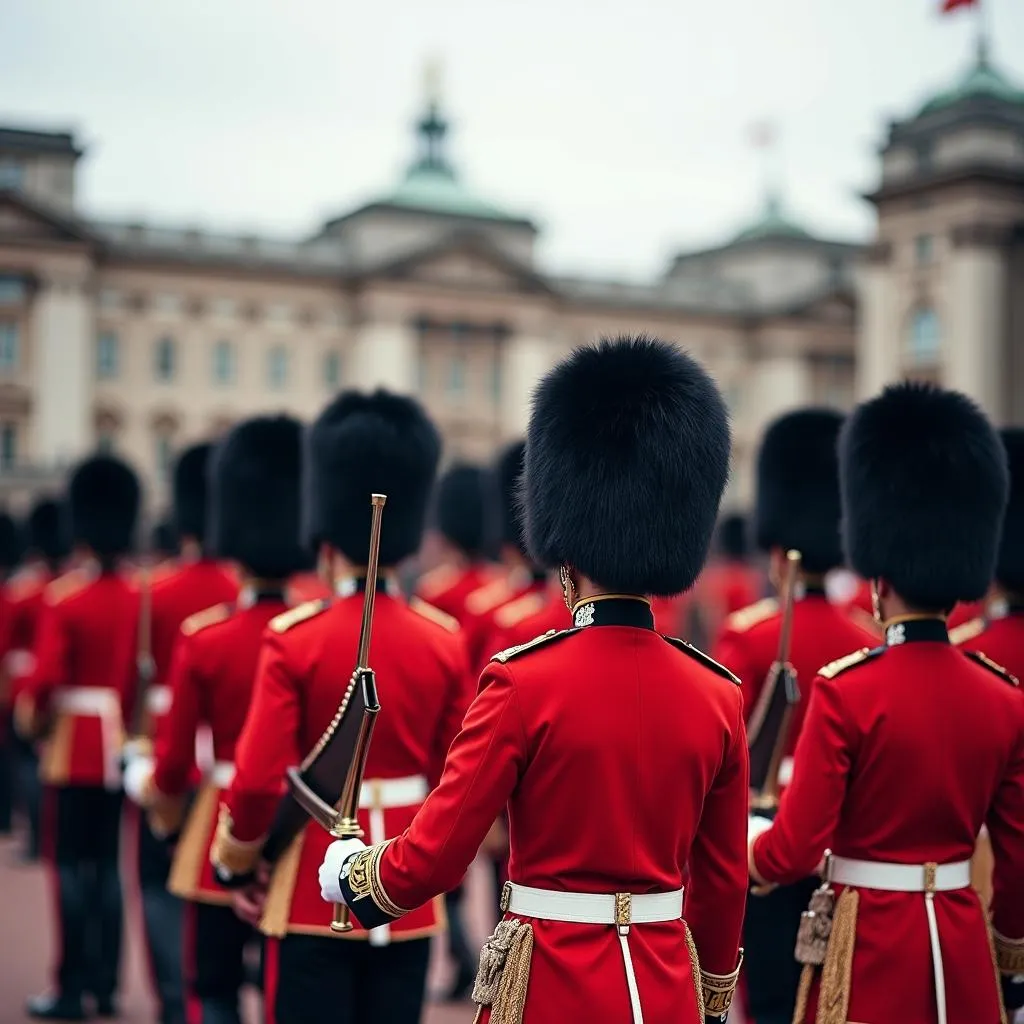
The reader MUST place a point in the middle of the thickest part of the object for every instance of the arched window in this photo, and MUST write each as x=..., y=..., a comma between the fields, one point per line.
x=332, y=369
x=108, y=355
x=165, y=360
x=223, y=363
x=923, y=339
x=277, y=368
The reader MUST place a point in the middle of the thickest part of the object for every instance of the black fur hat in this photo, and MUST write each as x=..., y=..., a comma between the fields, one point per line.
x=46, y=530
x=1010, y=564
x=459, y=507
x=627, y=455
x=505, y=499
x=363, y=444
x=924, y=484
x=164, y=539
x=103, y=505
x=797, y=502
x=191, y=491
x=255, y=487
x=731, y=536
x=10, y=543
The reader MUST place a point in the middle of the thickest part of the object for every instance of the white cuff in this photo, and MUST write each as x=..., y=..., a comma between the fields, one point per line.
x=330, y=870
x=137, y=774
x=756, y=826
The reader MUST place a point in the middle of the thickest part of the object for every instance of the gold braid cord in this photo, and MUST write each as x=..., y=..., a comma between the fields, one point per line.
x=698, y=984
x=993, y=937
x=717, y=990
x=1009, y=954
x=503, y=977
x=834, y=996
x=803, y=994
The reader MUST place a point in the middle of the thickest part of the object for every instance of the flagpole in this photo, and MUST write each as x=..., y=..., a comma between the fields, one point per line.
x=983, y=32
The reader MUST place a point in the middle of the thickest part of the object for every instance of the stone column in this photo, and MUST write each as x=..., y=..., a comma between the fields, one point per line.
x=385, y=355
x=62, y=337
x=525, y=359
x=777, y=384
x=878, y=342
x=974, y=340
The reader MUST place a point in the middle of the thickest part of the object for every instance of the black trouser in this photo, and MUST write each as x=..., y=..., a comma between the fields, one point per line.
x=215, y=964
x=162, y=914
x=769, y=941
x=28, y=792
x=6, y=771
x=458, y=944
x=84, y=852
x=354, y=982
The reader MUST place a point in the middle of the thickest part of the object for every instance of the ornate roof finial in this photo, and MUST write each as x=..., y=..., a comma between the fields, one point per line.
x=432, y=81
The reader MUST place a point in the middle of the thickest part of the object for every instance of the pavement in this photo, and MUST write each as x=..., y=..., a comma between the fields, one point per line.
x=26, y=956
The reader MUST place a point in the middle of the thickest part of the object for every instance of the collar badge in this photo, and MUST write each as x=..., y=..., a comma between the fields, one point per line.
x=584, y=616
x=896, y=634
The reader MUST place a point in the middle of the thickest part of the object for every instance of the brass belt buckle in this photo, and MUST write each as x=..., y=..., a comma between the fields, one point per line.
x=506, y=897
x=930, y=874
x=623, y=912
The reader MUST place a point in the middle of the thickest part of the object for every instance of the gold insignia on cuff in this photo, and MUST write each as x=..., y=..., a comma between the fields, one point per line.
x=719, y=990
x=364, y=880
x=1009, y=954
x=230, y=854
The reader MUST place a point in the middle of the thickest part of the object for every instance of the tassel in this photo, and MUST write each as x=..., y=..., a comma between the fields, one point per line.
x=803, y=995
x=999, y=977
x=504, y=972
x=834, y=995
x=277, y=908
x=191, y=851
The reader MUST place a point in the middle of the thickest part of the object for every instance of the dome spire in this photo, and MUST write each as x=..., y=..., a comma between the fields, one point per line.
x=432, y=127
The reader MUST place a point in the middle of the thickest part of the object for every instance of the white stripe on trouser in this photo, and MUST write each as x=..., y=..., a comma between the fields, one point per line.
x=376, y=796
x=105, y=704
x=924, y=878
x=595, y=908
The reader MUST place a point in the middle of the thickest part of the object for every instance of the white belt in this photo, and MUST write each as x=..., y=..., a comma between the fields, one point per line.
x=785, y=775
x=387, y=794
x=924, y=878
x=158, y=700
x=620, y=910
x=105, y=704
x=222, y=774
x=378, y=796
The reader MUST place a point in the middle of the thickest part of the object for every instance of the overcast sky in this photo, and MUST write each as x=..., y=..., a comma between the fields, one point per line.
x=621, y=126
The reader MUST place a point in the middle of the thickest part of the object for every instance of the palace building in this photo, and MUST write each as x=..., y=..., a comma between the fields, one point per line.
x=141, y=339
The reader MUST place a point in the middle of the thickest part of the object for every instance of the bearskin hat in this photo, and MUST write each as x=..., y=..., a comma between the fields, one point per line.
x=1010, y=564
x=924, y=484
x=255, y=488
x=10, y=542
x=797, y=504
x=505, y=512
x=191, y=491
x=459, y=510
x=627, y=455
x=46, y=530
x=103, y=505
x=363, y=444
x=731, y=536
x=164, y=540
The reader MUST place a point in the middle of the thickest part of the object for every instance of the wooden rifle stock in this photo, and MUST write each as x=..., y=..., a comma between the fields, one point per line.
x=772, y=718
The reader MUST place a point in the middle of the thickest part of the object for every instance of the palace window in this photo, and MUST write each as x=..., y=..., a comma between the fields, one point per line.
x=164, y=455
x=923, y=340
x=12, y=174
x=165, y=360
x=923, y=250
x=9, y=345
x=12, y=290
x=455, y=384
x=107, y=355
x=224, y=363
x=8, y=445
x=277, y=368
x=332, y=369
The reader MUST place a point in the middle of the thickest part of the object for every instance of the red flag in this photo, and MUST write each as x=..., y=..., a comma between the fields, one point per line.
x=953, y=5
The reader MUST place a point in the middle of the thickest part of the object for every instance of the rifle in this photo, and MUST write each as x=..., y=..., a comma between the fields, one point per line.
x=772, y=718
x=340, y=753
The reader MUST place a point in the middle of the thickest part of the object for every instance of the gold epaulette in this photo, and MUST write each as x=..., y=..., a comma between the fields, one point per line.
x=744, y=619
x=489, y=596
x=698, y=655
x=283, y=622
x=993, y=666
x=65, y=586
x=428, y=611
x=848, y=661
x=437, y=580
x=967, y=631
x=519, y=608
x=531, y=645
x=207, y=617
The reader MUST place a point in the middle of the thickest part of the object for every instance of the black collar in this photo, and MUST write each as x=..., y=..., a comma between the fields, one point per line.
x=909, y=631
x=614, y=610
x=346, y=586
x=815, y=590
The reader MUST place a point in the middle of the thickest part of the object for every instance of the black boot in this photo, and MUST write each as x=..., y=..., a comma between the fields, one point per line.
x=50, y=1006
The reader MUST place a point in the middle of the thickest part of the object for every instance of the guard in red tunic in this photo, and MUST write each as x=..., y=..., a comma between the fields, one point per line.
x=457, y=541
x=254, y=521
x=581, y=731
x=10, y=555
x=82, y=687
x=729, y=582
x=360, y=444
x=797, y=507
x=910, y=747
x=199, y=582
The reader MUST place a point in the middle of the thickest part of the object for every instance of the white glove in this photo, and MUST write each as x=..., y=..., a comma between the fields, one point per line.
x=756, y=825
x=330, y=870
x=137, y=773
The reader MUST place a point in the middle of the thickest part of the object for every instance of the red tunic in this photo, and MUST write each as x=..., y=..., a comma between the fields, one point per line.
x=965, y=612
x=482, y=607
x=307, y=586
x=211, y=679
x=724, y=588
x=577, y=735
x=1000, y=637
x=448, y=587
x=85, y=675
x=304, y=668
x=26, y=596
x=905, y=755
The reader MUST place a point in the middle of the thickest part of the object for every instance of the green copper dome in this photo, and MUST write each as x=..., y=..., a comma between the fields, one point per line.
x=772, y=223
x=981, y=80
